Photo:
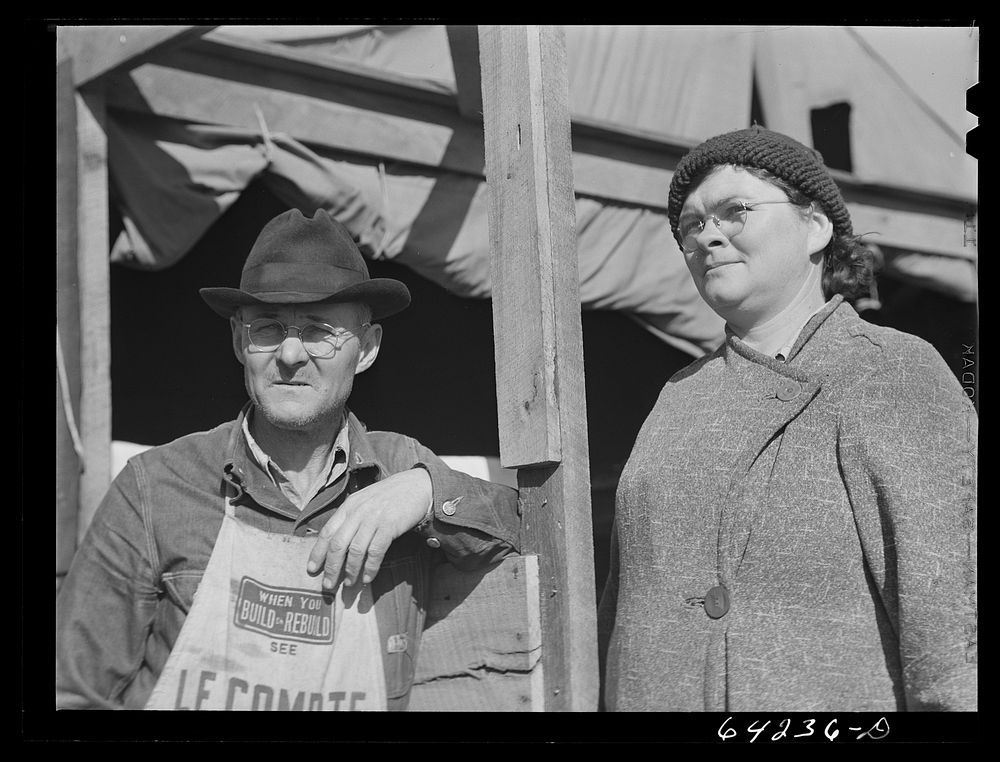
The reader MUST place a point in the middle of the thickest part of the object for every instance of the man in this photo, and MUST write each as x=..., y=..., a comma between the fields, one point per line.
x=308, y=540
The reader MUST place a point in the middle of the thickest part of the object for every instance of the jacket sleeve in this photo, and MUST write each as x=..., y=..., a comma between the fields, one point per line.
x=474, y=522
x=907, y=445
x=106, y=604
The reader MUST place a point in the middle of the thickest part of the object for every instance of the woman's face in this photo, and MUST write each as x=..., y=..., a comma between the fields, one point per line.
x=751, y=277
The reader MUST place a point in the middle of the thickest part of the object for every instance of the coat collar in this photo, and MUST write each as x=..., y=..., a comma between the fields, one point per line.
x=362, y=452
x=787, y=367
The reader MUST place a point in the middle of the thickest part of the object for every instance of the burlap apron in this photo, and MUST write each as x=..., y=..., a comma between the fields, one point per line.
x=261, y=634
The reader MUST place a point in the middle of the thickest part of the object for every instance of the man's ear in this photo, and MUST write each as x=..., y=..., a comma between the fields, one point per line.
x=820, y=230
x=236, y=324
x=369, y=346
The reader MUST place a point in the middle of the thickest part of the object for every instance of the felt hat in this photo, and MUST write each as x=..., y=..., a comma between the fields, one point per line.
x=296, y=259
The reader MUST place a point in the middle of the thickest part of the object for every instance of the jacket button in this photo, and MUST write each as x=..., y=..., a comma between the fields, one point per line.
x=433, y=542
x=448, y=506
x=397, y=644
x=717, y=602
x=789, y=391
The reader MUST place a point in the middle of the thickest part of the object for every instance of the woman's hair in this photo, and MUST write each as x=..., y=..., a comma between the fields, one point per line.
x=848, y=267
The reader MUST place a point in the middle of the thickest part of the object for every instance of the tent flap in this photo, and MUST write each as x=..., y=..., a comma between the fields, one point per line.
x=435, y=224
x=174, y=179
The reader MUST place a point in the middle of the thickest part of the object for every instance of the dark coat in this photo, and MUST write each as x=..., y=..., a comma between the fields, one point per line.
x=833, y=496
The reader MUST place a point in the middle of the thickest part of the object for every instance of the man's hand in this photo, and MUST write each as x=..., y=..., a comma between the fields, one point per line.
x=360, y=532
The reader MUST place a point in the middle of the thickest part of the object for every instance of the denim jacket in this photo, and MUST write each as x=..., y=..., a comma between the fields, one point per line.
x=133, y=579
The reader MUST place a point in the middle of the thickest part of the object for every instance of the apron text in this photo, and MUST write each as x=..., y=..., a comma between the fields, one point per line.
x=205, y=690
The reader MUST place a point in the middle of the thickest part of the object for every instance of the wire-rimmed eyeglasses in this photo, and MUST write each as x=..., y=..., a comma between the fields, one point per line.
x=318, y=339
x=728, y=218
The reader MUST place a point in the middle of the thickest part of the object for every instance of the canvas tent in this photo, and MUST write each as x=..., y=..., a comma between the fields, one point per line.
x=415, y=194
x=381, y=126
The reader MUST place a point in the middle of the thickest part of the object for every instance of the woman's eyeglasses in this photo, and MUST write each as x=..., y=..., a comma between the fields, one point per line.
x=729, y=219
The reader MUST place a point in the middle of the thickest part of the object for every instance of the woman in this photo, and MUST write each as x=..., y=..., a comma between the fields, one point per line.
x=795, y=525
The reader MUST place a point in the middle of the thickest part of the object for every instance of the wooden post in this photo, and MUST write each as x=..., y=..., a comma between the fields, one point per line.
x=67, y=320
x=538, y=340
x=85, y=55
x=95, y=304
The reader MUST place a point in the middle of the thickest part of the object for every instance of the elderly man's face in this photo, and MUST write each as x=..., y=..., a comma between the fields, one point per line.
x=291, y=389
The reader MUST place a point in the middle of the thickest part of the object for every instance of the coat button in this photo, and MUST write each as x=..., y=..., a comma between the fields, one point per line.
x=433, y=542
x=789, y=391
x=448, y=506
x=717, y=602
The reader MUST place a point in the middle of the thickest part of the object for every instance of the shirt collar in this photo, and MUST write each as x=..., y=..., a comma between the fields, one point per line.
x=340, y=445
x=361, y=455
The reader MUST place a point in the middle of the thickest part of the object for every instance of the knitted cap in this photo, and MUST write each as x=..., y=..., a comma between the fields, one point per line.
x=800, y=166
